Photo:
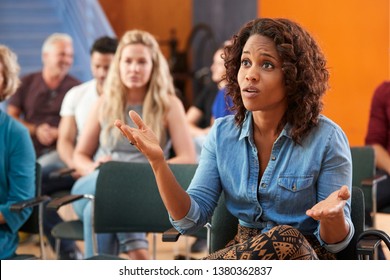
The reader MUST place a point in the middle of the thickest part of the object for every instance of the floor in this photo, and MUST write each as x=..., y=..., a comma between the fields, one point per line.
x=165, y=250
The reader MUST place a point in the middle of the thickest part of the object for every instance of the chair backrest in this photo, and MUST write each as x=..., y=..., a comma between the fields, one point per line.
x=127, y=198
x=363, y=167
x=224, y=225
x=358, y=220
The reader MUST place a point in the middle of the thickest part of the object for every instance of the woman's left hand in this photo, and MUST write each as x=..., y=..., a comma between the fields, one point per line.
x=332, y=206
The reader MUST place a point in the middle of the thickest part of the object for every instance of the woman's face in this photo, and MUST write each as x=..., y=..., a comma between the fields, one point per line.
x=218, y=70
x=135, y=66
x=260, y=76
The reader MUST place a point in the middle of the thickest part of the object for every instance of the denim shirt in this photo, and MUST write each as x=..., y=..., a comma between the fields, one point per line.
x=297, y=177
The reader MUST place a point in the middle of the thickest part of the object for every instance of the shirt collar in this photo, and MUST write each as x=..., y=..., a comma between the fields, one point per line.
x=247, y=127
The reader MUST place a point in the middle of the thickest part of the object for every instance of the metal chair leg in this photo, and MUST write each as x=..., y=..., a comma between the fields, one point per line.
x=57, y=249
x=208, y=227
x=154, y=253
x=41, y=237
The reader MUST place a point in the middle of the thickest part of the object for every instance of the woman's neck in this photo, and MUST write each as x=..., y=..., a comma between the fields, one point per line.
x=136, y=96
x=266, y=123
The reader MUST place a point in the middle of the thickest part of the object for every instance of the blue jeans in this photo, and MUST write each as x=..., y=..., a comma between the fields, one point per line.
x=108, y=243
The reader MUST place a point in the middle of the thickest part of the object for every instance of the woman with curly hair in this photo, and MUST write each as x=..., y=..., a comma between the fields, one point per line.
x=139, y=79
x=284, y=168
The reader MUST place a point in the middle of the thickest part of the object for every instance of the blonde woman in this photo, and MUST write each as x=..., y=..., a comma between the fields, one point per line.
x=139, y=80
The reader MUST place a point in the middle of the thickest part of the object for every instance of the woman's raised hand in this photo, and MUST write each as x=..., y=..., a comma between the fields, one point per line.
x=142, y=137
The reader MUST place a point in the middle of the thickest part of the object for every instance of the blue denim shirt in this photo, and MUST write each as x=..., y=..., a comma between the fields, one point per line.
x=295, y=179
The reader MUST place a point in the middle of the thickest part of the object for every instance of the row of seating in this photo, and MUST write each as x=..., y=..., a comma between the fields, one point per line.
x=127, y=200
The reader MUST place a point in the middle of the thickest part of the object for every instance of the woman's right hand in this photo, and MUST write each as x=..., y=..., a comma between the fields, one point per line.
x=143, y=138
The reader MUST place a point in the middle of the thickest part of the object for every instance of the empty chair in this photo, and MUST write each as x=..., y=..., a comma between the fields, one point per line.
x=364, y=176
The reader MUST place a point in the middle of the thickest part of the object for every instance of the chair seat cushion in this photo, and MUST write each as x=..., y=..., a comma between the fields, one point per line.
x=105, y=257
x=69, y=230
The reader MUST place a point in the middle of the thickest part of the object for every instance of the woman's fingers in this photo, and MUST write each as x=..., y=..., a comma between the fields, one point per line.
x=136, y=119
x=344, y=193
x=125, y=130
x=118, y=124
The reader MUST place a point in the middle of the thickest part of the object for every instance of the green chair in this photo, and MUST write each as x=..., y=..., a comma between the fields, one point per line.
x=72, y=230
x=364, y=176
x=127, y=199
x=34, y=224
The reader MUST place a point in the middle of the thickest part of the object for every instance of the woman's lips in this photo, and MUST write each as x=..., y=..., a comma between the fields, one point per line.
x=250, y=92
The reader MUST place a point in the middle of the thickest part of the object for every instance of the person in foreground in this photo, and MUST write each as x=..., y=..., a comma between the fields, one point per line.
x=17, y=164
x=285, y=169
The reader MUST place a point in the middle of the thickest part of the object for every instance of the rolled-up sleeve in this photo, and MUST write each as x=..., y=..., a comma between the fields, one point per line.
x=337, y=247
x=189, y=221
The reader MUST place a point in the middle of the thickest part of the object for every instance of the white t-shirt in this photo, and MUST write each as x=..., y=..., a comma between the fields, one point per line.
x=78, y=101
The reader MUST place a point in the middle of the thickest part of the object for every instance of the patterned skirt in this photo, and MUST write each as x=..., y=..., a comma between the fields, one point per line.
x=280, y=243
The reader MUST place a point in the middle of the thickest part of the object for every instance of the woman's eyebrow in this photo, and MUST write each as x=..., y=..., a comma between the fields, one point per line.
x=262, y=53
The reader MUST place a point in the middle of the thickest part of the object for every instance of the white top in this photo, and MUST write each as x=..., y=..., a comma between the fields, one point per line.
x=78, y=101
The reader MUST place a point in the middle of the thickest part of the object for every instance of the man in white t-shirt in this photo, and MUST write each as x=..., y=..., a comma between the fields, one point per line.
x=74, y=111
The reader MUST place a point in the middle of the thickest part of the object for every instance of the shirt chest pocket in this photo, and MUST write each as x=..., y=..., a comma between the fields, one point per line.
x=295, y=183
x=296, y=194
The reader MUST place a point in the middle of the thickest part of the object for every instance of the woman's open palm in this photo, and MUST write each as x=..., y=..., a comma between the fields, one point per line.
x=332, y=206
x=141, y=137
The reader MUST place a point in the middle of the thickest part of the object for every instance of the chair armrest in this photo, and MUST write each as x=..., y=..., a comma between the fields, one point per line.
x=61, y=173
x=374, y=180
x=17, y=207
x=57, y=203
x=369, y=240
x=171, y=235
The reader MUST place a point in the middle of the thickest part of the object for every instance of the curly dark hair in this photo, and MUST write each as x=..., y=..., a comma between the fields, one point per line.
x=304, y=67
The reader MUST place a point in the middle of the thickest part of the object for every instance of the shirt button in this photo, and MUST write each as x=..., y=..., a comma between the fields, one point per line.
x=273, y=157
x=294, y=188
x=263, y=185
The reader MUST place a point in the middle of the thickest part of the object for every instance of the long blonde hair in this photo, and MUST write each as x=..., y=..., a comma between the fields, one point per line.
x=156, y=102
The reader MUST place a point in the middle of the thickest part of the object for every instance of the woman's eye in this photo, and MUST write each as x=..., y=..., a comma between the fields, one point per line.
x=268, y=65
x=245, y=62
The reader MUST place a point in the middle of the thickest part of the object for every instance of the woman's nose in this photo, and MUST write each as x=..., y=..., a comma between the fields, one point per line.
x=252, y=74
x=132, y=66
